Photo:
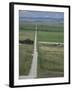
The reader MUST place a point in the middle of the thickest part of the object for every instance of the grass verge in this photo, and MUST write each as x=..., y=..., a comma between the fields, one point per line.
x=25, y=59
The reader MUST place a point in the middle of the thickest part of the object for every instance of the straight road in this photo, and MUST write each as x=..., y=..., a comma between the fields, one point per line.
x=33, y=70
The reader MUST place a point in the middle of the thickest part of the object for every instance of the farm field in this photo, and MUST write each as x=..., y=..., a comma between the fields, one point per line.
x=50, y=61
x=50, y=57
x=46, y=36
x=41, y=44
x=25, y=59
x=25, y=51
x=51, y=33
x=46, y=33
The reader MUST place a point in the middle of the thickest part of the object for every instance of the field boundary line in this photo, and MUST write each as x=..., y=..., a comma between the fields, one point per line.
x=51, y=43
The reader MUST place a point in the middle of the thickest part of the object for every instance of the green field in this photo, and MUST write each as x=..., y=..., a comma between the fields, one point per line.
x=51, y=33
x=50, y=57
x=50, y=61
x=25, y=52
x=47, y=36
x=25, y=59
x=26, y=34
x=51, y=27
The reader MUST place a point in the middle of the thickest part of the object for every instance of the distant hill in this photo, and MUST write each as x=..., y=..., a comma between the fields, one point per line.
x=47, y=20
x=40, y=16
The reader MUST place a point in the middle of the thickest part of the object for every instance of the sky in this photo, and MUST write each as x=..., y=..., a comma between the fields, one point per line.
x=40, y=15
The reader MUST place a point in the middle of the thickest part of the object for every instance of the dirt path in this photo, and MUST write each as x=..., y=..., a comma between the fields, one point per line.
x=50, y=42
x=33, y=70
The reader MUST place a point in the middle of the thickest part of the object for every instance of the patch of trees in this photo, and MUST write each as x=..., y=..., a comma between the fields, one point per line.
x=26, y=41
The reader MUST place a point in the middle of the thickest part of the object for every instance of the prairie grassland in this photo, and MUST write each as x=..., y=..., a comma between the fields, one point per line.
x=50, y=57
x=25, y=58
x=50, y=61
x=25, y=52
x=26, y=34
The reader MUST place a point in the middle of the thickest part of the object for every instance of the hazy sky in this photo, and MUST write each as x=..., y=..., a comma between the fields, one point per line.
x=40, y=14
